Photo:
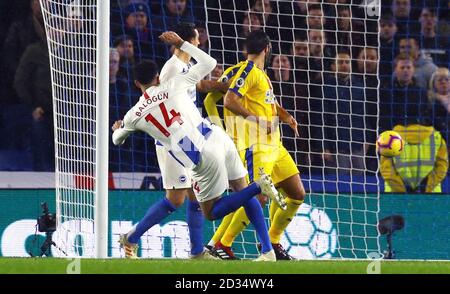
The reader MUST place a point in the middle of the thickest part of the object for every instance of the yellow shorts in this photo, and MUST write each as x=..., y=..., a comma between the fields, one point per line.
x=276, y=162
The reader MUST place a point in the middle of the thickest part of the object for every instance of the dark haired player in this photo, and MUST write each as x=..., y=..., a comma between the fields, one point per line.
x=250, y=105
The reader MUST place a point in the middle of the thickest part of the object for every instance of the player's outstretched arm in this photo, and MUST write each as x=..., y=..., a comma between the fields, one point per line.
x=205, y=63
x=211, y=107
x=287, y=118
x=232, y=103
x=205, y=86
x=120, y=132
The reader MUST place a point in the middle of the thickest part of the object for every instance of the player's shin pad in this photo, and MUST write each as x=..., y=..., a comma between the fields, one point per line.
x=237, y=224
x=282, y=218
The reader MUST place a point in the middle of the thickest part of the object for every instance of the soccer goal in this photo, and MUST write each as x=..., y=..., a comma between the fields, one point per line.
x=323, y=71
x=78, y=44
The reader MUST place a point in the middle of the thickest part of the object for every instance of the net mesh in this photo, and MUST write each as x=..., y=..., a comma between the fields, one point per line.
x=71, y=34
x=324, y=72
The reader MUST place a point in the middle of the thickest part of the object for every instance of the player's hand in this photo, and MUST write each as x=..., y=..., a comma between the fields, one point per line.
x=293, y=124
x=171, y=38
x=224, y=85
x=38, y=113
x=265, y=125
x=116, y=125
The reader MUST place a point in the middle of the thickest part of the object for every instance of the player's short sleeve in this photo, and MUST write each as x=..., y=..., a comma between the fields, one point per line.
x=244, y=80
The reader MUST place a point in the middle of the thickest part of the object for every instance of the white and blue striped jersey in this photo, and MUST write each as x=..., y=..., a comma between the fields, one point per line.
x=174, y=66
x=166, y=113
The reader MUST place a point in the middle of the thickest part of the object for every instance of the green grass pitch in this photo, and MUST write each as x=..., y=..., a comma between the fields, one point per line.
x=171, y=266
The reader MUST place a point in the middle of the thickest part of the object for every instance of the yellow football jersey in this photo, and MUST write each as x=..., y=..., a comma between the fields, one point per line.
x=256, y=92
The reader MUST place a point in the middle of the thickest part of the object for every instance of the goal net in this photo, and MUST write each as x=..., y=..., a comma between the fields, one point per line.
x=77, y=36
x=324, y=72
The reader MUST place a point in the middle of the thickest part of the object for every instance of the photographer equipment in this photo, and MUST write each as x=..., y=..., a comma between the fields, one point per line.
x=46, y=223
x=387, y=226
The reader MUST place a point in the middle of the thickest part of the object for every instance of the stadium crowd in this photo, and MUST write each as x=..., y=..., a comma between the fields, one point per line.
x=324, y=69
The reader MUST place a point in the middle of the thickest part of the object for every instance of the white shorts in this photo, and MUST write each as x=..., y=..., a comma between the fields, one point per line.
x=174, y=175
x=219, y=164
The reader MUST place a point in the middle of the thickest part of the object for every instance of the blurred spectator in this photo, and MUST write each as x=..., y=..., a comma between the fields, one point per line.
x=367, y=66
x=367, y=61
x=21, y=33
x=264, y=7
x=217, y=72
x=136, y=16
x=282, y=69
x=300, y=47
x=125, y=47
x=298, y=9
x=250, y=22
x=114, y=62
x=444, y=20
x=388, y=43
x=402, y=10
x=320, y=54
x=317, y=63
x=203, y=37
x=424, y=66
x=177, y=7
x=433, y=45
x=300, y=51
x=350, y=32
x=123, y=92
x=315, y=18
x=439, y=97
x=32, y=82
x=402, y=102
x=278, y=30
x=421, y=166
x=167, y=13
x=344, y=111
x=131, y=156
x=136, y=26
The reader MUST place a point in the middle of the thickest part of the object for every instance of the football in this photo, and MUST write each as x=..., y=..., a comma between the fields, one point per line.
x=389, y=144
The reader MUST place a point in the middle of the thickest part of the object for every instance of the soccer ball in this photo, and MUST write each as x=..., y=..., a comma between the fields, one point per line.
x=310, y=235
x=389, y=144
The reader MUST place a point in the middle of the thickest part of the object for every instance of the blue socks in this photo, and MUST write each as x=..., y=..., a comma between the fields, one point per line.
x=228, y=204
x=160, y=210
x=155, y=214
x=256, y=216
x=195, y=221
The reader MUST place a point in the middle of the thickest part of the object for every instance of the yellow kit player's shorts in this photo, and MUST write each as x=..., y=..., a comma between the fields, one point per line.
x=275, y=160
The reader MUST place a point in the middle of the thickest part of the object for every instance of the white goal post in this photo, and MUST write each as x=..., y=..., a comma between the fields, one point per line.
x=78, y=44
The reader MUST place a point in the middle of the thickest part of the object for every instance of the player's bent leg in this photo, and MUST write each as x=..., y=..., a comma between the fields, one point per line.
x=218, y=234
x=195, y=220
x=176, y=196
x=255, y=213
x=272, y=209
x=155, y=214
x=239, y=222
x=218, y=207
x=293, y=189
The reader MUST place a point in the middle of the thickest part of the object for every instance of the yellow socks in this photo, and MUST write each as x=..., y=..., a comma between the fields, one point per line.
x=238, y=223
x=272, y=209
x=282, y=218
x=221, y=229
